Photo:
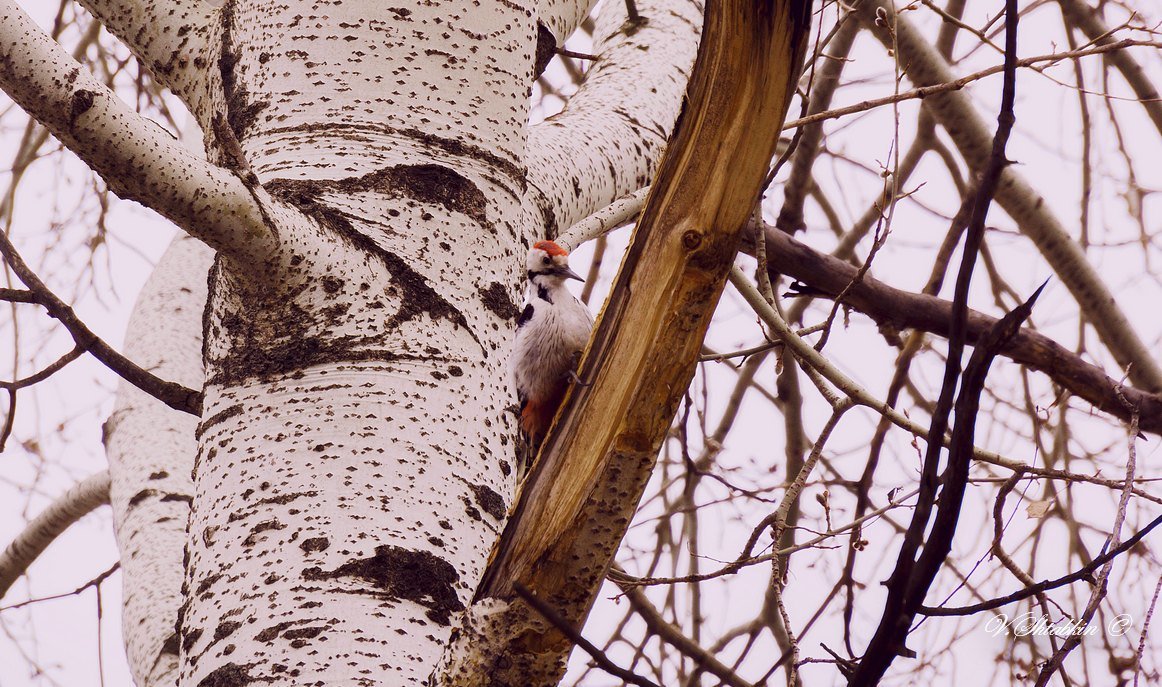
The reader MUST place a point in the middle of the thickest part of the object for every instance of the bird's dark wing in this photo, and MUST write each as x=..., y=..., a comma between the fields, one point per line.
x=525, y=316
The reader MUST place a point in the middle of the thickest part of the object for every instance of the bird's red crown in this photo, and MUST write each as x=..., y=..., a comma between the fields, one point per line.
x=551, y=248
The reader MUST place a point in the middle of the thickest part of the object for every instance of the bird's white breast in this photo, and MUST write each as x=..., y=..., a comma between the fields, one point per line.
x=547, y=344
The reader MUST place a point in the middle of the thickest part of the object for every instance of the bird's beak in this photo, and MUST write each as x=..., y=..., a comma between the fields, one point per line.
x=569, y=274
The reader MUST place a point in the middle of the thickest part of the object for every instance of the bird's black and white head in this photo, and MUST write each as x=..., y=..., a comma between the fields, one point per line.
x=548, y=265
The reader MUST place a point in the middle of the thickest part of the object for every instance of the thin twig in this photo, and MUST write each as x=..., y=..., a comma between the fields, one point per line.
x=1083, y=573
x=172, y=394
x=598, y=656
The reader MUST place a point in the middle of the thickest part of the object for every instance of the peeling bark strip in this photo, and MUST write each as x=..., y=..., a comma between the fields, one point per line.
x=575, y=506
x=402, y=574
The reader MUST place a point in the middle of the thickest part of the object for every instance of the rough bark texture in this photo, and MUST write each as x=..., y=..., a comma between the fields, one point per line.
x=354, y=452
x=607, y=142
x=582, y=492
x=151, y=453
x=354, y=456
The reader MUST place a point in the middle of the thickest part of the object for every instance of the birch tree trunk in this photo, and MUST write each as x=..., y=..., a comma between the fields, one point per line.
x=371, y=189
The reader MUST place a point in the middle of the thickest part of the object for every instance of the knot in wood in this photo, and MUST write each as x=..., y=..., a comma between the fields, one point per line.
x=691, y=239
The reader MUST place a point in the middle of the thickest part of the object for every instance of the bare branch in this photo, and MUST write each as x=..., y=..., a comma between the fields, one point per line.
x=70, y=507
x=1027, y=208
x=174, y=395
x=136, y=158
x=166, y=35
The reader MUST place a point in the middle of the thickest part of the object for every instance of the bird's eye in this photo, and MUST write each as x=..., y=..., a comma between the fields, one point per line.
x=546, y=259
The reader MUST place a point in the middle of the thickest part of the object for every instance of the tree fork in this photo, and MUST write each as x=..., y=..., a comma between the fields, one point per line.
x=583, y=491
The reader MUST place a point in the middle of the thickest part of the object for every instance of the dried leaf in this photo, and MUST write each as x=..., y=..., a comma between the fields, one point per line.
x=1038, y=509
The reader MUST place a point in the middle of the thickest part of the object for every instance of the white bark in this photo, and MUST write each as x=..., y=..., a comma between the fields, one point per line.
x=607, y=142
x=137, y=159
x=562, y=17
x=355, y=450
x=170, y=37
x=354, y=457
x=150, y=450
x=74, y=504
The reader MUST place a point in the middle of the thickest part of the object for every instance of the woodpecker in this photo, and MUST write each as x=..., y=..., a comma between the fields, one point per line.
x=552, y=330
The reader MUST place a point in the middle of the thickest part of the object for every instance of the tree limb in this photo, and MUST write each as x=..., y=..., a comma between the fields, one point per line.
x=1034, y=217
x=173, y=395
x=608, y=142
x=895, y=309
x=166, y=35
x=911, y=577
x=85, y=497
x=137, y=159
x=1083, y=573
x=1090, y=23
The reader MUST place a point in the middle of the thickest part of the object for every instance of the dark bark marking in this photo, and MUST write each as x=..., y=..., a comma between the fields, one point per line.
x=546, y=48
x=240, y=113
x=281, y=500
x=205, y=584
x=470, y=510
x=172, y=645
x=271, y=335
x=272, y=632
x=404, y=574
x=231, y=675
x=304, y=632
x=497, y=299
x=428, y=183
x=190, y=638
x=141, y=496
x=161, y=474
x=167, y=498
x=315, y=544
x=266, y=526
x=225, y=629
x=458, y=148
x=416, y=295
x=79, y=104
x=548, y=216
x=489, y=500
x=218, y=417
